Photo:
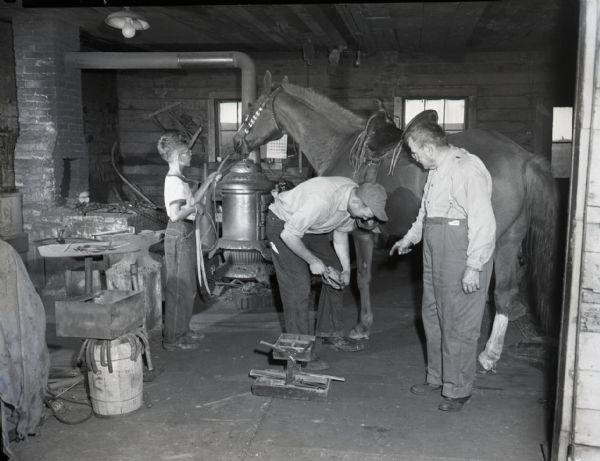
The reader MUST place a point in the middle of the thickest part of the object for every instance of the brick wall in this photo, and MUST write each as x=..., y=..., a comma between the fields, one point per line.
x=50, y=157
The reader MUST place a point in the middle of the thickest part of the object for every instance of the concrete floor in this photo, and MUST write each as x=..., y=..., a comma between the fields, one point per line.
x=201, y=407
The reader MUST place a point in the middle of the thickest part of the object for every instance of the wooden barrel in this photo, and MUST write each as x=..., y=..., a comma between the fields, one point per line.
x=11, y=214
x=121, y=391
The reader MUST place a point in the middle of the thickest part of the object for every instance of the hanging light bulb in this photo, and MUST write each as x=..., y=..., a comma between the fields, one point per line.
x=128, y=21
x=128, y=29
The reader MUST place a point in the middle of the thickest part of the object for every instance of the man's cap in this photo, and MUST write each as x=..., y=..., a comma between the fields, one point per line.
x=374, y=196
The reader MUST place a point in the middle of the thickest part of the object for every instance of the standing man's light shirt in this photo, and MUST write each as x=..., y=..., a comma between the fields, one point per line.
x=459, y=188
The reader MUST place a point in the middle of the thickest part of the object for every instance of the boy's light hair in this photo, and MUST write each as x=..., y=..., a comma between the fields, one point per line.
x=169, y=141
x=428, y=133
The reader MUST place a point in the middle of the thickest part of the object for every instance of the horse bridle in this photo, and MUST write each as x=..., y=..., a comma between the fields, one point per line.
x=249, y=122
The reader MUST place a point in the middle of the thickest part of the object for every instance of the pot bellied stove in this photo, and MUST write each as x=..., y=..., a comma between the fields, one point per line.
x=246, y=195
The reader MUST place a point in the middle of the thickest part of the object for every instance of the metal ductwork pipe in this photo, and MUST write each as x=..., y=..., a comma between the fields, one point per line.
x=167, y=60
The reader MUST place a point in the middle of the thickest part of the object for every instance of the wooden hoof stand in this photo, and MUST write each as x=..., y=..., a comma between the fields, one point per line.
x=292, y=383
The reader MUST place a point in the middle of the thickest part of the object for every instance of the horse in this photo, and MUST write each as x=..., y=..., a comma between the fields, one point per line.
x=524, y=196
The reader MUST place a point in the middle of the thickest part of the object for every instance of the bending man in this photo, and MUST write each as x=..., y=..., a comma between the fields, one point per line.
x=300, y=225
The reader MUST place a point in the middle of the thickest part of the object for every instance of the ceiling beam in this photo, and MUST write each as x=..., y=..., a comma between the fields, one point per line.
x=466, y=17
x=355, y=22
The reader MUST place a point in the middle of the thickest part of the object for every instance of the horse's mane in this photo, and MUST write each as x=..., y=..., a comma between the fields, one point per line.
x=324, y=105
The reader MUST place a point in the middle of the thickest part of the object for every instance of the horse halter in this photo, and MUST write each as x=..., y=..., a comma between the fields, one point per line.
x=249, y=122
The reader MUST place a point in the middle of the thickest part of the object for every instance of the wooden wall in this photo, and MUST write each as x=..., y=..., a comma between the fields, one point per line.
x=512, y=93
x=142, y=93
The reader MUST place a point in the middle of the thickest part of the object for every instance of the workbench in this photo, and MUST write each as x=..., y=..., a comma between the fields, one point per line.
x=88, y=251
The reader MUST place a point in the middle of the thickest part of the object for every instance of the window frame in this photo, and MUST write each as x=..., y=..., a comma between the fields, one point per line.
x=214, y=98
x=468, y=93
x=564, y=141
x=561, y=151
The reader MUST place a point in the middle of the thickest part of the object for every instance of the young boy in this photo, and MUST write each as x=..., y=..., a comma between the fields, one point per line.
x=180, y=245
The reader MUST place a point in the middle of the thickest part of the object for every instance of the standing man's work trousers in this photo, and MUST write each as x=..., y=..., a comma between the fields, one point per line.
x=451, y=317
x=294, y=281
x=181, y=288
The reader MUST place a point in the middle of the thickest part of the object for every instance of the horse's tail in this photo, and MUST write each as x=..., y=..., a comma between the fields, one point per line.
x=541, y=206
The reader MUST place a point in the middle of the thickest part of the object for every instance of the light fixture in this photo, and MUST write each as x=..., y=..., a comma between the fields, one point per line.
x=128, y=21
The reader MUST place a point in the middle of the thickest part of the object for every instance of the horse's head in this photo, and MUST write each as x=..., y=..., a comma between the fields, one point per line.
x=261, y=127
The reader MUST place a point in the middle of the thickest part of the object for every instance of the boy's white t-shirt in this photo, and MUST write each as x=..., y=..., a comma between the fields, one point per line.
x=177, y=190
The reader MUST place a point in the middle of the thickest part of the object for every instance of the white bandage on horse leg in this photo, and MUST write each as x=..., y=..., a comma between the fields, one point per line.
x=493, y=349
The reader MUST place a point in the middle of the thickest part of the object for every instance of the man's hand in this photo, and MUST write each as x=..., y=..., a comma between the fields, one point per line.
x=470, y=280
x=402, y=246
x=317, y=267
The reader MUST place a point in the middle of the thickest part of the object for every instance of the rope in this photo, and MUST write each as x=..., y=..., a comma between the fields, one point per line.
x=51, y=398
x=395, y=155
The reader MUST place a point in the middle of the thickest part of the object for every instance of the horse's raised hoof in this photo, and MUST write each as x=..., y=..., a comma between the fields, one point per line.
x=486, y=364
x=359, y=332
x=482, y=371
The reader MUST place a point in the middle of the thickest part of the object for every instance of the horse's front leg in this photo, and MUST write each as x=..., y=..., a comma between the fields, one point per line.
x=364, y=241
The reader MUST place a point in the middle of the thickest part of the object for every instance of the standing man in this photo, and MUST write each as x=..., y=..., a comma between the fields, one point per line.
x=457, y=224
x=300, y=226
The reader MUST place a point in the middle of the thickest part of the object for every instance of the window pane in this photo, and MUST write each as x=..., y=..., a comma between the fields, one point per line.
x=438, y=106
x=454, y=115
x=562, y=124
x=451, y=112
x=412, y=107
x=226, y=142
x=229, y=112
x=229, y=126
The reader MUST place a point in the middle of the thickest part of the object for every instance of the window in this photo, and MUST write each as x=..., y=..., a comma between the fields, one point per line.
x=451, y=112
x=562, y=124
x=562, y=141
x=229, y=117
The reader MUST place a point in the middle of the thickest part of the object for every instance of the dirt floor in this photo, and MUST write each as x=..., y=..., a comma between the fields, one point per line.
x=201, y=406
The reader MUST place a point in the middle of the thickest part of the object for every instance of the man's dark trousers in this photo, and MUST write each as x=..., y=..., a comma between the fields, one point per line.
x=451, y=317
x=294, y=281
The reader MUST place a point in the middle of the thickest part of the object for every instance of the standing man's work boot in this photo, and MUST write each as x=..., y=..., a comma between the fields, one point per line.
x=454, y=404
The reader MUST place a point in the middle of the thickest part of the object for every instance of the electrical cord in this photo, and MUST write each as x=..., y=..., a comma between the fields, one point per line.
x=51, y=399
